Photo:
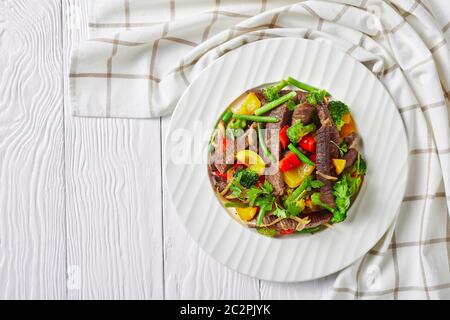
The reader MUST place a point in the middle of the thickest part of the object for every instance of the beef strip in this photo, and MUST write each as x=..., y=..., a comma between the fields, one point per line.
x=326, y=194
x=300, y=97
x=260, y=96
x=222, y=158
x=326, y=120
x=273, y=144
x=318, y=218
x=282, y=113
x=303, y=112
x=277, y=182
x=335, y=138
x=217, y=160
x=323, y=162
x=281, y=225
x=351, y=139
x=219, y=184
x=350, y=157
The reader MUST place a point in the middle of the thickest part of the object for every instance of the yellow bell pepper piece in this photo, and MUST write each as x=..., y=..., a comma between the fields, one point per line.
x=252, y=160
x=346, y=118
x=295, y=177
x=348, y=128
x=339, y=165
x=247, y=214
x=250, y=104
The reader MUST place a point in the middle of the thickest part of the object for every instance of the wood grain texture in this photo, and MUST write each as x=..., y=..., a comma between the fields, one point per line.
x=114, y=231
x=32, y=220
x=311, y=290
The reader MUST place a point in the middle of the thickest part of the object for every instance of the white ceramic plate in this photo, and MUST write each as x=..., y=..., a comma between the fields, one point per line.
x=300, y=257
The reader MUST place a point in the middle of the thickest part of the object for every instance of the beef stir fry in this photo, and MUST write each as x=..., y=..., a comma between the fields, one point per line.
x=284, y=159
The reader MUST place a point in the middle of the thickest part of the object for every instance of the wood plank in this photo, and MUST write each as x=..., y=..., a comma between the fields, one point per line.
x=189, y=272
x=32, y=221
x=113, y=196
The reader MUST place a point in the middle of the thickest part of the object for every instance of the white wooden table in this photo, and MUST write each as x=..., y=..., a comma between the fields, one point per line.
x=83, y=209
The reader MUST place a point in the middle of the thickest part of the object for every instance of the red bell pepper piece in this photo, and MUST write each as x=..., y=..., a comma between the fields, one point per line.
x=261, y=181
x=286, y=231
x=236, y=166
x=223, y=144
x=308, y=143
x=313, y=158
x=289, y=162
x=220, y=175
x=284, y=140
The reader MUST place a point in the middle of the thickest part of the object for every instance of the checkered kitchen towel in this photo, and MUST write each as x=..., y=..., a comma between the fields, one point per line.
x=142, y=55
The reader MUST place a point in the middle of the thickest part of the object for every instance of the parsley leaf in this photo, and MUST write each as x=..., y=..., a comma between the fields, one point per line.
x=342, y=194
x=342, y=148
x=295, y=202
x=252, y=195
x=279, y=211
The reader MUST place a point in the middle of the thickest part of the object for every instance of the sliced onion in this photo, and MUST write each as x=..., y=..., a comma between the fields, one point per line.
x=253, y=225
x=301, y=223
x=325, y=176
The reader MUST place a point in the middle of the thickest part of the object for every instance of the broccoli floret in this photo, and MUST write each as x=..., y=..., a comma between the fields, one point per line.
x=337, y=110
x=272, y=93
x=291, y=105
x=298, y=130
x=246, y=177
x=317, y=96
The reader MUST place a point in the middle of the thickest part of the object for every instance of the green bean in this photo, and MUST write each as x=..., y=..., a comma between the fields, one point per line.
x=275, y=103
x=235, y=205
x=263, y=145
x=233, y=123
x=267, y=232
x=301, y=85
x=255, y=118
x=261, y=214
x=227, y=116
x=300, y=155
x=310, y=230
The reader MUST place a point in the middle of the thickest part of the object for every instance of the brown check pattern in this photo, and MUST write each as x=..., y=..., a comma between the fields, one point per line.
x=140, y=60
